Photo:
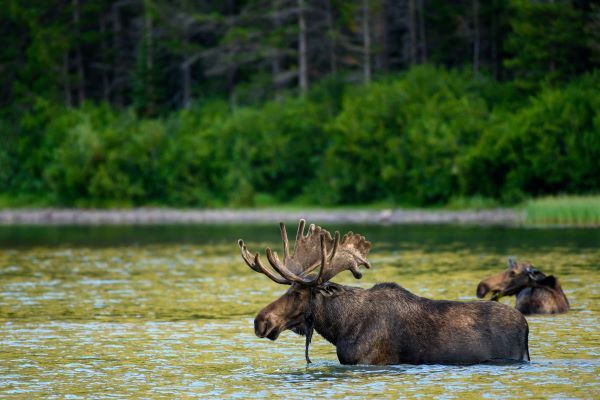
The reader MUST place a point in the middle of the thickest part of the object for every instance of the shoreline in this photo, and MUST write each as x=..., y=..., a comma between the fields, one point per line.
x=159, y=216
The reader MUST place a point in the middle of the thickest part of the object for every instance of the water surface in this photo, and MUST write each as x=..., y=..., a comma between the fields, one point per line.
x=166, y=312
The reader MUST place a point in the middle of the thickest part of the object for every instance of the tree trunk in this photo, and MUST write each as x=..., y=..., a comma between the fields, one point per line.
x=186, y=75
x=275, y=66
x=117, y=70
x=494, y=45
x=67, y=80
x=366, y=43
x=412, y=32
x=422, y=35
x=103, y=70
x=148, y=28
x=78, y=57
x=231, y=86
x=186, y=83
x=379, y=35
x=332, y=38
x=302, y=51
x=149, y=81
x=476, y=37
x=232, y=68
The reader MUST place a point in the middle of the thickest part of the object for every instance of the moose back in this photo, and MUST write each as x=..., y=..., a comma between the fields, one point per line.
x=385, y=324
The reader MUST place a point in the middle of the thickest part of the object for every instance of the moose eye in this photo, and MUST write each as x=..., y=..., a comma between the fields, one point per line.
x=511, y=274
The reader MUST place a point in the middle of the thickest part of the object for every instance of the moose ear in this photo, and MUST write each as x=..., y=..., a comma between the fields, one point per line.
x=512, y=262
x=549, y=281
x=535, y=274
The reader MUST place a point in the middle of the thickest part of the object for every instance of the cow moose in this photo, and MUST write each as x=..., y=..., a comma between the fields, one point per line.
x=536, y=292
x=385, y=324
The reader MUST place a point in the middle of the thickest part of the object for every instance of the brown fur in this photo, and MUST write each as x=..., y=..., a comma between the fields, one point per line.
x=536, y=293
x=382, y=325
x=389, y=325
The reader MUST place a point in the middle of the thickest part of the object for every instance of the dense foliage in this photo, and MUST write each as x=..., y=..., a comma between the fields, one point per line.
x=424, y=137
x=415, y=102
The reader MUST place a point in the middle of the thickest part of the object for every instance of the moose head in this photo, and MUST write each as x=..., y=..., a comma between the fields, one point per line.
x=315, y=250
x=517, y=277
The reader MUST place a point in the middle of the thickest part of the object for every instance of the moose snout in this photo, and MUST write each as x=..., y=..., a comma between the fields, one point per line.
x=261, y=327
x=267, y=326
x=482, y=290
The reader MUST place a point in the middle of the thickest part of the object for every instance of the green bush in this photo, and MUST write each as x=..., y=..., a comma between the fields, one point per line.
x=193, y=164
x=274, y=150
x=552, y=145
x=403, y=139
x=428, y=137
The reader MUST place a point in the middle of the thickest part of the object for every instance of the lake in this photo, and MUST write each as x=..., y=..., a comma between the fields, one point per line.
x=167, y=312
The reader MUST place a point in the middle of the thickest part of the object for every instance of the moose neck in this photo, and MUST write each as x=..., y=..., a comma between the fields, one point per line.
x=555, y=290
x=334, y=314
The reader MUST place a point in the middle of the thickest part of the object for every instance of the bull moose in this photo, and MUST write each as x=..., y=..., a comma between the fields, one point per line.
x=536, y=292
x=385, y=324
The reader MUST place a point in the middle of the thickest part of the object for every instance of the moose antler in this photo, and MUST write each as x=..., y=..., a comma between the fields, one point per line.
x=315, y=249
x=253, y=261
x=352, y=253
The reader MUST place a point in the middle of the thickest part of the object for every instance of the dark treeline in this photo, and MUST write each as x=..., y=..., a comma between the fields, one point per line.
x=209, y=103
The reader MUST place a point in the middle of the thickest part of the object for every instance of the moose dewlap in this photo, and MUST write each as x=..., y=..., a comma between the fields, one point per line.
x=385, y=324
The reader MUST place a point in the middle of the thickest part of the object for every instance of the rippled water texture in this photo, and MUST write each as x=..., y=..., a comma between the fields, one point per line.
x=167, y=312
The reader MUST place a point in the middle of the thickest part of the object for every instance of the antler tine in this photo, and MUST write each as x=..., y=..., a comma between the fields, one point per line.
x=245, y=254
x=277, y=266
x=300, y=231
x=270, y=274
x=284, y=238
x=336, y=243
x=256, y=264
x=323, y=259
x=289, y=275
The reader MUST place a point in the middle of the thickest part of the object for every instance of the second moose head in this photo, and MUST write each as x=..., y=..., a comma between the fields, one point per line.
x=537, y=293
x=315, y=250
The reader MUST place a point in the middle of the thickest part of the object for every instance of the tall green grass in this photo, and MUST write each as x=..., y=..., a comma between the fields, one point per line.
x=564, y=210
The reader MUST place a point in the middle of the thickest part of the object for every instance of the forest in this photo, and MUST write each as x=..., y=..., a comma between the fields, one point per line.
x=313, y=102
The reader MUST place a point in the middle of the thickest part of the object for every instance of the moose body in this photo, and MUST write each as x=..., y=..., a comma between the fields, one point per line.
x=536, y=292
x=386, y=324
x=389, y=325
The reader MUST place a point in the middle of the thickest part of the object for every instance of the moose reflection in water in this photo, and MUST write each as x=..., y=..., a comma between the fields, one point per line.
x=536, y=292
x=385, y=324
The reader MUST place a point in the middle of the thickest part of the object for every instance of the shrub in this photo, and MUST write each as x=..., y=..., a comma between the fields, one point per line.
x=551, y=145
x=430, y=136
x=403, y=139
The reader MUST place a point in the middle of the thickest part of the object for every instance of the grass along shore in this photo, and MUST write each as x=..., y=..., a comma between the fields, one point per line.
x=563, y=210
